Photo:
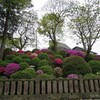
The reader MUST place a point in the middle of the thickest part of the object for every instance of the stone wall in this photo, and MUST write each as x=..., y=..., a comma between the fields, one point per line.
x=55, y=89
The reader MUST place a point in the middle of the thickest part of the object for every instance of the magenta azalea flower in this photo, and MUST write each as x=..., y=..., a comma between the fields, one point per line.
x=38, y=51
x=72, y=76
x=2, y=69
x=21, y=52
x=58, y=61
x=11, y=68
x=39, y=72
x=33, y=55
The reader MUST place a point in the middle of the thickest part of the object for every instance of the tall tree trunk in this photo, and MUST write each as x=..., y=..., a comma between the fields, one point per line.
x=55, y=46
x=4, y=37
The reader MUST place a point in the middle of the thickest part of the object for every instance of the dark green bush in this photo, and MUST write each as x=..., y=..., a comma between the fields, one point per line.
x=58, y=56
x=49, y=52
x=10, y=57
x=90, y=57
x=23, y=65
x=34, y=50
x=4, y=63
x=90, y=75
x=25, y=56
x=6, y=52
x=3, y=77
x=27, y=61
x=17, y=60
x=21, y=75
x=75, y=65
x=42, y=63
x=47, y=69
x=45, y=76
x=63, y=53
x=43, y=56
x=95, y=65
x=35, y=61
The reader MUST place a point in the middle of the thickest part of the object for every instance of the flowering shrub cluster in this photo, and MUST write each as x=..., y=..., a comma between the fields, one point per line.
x=2, y=69
x=72, y=76
x=38, y=51
x=11, y=68
x=38, y=72
x=33, y=55
x=58, y=61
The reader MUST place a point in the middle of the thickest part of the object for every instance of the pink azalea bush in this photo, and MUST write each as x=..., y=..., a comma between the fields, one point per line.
x=11, y=68
x=72, y=76
x=58, y=61
x=33, y=55
x=21, y=52
x=75, y=53
x=2, y=69
x=38, y=51
x=38, y=72
x=43, y=50
x=50, y=56
x=28, y=53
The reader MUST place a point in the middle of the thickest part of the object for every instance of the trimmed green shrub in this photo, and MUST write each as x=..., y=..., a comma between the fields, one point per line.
x=58, y=56
x=49, y=52
x=90, y=57
x=24, y=56
x=32, y=71
x=23, y=65
x=27, y=61
x=42, y=63
x=47, y=69
x=35, y=61
x=43, y=56
x=63, y=53
x=90, y=75
x=75, y=65
x=4, y=63
x=17, y=60
x=3, y=77
x=95, y=65
x=45, y=76
x=21, y=75
x=34, y=50
x=9, y=57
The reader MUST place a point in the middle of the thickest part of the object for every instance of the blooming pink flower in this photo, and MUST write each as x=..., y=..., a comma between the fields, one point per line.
x=72, y=76
x=21, y=52
x=33, y=55
x=2, y=69
x=12, y=52
x=38, y=51
x=39, y=72
x=58, y=61
x=28, y=53
x=50, y=56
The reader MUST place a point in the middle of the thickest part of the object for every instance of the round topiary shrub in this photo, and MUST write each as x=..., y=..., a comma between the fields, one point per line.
x=3, y=77
x=17, y=60
x=42, y=63
x=49, y=52
x=90, y=57
x=58, y=56
x=11, y=68
x=63, y=53
x=23, y=65
x=27, y=61
x=9, y=57
x=47, y=69
x=43, y=56
x=75, y=65
x=95, y=65
x=21, y=75
x=45, y=76
x=4, y=63
x=91, y=75
x=32, y=71
x=35, y=62
x=25, y=56
x=58, y=61
x=34, y=50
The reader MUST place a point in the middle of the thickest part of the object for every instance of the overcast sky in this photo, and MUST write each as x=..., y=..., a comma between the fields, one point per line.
x=38, y=4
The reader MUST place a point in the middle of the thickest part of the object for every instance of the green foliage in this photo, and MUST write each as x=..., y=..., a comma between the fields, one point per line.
x=90, y=75
x=63, y=53
x=27, y=61
x=21, y=75
x=42, y=63
x=34, y=50
x=75, y=65
x=50, y=52
x=90, y=57
x=24, y=56
x=43, y=56
x=95, y=65
x=4, y=63
x=58, y=56
x=47, y=69
x=35, y=61
x=23, y=65
x=17, y=60
x=31, y=71
x=45, y=76
x=6, y=52
x=9, y=57
x=3, y=77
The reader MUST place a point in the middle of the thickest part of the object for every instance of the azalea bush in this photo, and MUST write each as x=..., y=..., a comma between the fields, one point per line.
x=58, y=61
x=58, y=72
x=72, y=76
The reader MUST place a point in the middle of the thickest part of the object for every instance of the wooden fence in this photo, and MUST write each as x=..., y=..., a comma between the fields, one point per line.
x=55, y=89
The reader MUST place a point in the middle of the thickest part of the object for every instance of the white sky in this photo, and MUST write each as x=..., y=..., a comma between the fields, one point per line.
x=38, y=4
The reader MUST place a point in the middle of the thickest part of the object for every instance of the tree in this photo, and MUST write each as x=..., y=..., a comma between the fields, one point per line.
x=9, y=18
x=85, y=23
x=51, y=26
x=26, y=31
